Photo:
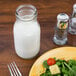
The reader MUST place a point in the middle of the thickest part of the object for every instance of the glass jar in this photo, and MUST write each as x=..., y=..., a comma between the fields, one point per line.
x=60, y=36
x=26, y=32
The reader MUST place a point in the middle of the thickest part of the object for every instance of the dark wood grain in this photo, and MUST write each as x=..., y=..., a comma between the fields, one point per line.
x=47, y=12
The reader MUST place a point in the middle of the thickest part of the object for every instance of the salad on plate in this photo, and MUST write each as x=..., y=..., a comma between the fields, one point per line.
x=59, y=67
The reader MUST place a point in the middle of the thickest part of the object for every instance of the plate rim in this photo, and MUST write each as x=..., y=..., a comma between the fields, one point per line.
x=46, y=53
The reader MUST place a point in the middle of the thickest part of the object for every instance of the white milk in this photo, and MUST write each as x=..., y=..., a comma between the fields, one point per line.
x=27, y=38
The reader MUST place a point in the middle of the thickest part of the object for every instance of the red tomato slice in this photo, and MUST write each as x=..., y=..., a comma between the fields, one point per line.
x=51, y=61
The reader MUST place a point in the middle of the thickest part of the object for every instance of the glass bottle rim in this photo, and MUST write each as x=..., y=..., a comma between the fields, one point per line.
x=22, y=15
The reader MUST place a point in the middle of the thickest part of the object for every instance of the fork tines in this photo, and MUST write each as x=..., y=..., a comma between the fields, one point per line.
x=14, y=71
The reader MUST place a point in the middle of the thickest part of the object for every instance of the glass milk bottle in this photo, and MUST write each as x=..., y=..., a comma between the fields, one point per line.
x=72, y=27
x=26, y=32
x=60, y=36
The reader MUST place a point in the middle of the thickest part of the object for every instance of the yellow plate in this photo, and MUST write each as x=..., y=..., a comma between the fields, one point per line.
x=60, y=53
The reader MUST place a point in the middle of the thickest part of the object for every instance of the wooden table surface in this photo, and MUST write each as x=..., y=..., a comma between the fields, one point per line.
x=47, y=12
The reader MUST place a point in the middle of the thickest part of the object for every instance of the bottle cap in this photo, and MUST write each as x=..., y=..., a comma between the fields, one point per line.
x=63, y=17
x=74, y=7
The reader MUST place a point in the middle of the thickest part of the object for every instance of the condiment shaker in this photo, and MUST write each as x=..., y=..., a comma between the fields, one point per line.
x=72, y=26
x=60, y=36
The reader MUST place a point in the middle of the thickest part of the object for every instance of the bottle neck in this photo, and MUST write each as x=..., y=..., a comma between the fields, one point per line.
x=31, y=20
x=26, y=13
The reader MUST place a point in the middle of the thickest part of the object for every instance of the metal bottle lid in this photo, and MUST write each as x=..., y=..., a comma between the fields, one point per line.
x=63, y=17
x=74, y=7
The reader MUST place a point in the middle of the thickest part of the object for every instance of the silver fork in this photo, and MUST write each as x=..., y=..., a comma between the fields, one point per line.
x=14, y=71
